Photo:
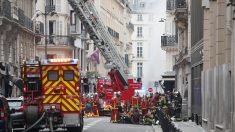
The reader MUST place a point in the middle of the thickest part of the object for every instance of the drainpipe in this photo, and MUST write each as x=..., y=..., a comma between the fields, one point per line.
x=231, y=10
x=228, y=90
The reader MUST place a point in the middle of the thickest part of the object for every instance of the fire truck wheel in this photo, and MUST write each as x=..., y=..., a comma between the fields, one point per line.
x=31, y=114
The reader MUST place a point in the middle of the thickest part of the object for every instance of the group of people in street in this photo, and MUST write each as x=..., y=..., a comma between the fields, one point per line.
x=138, y=110
x=90, y=105
x=143, y=110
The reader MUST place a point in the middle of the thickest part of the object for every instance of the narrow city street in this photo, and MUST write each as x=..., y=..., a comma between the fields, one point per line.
x=168, y=64
x=102, y=124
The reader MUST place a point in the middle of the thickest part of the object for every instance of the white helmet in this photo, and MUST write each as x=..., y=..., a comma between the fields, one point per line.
x=119, y=93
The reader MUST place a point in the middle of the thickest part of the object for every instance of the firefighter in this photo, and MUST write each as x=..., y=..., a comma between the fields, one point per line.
x=148, y=118
x=89, y=110
x=144, y=105
x=178, y=105
x=114, y=108
x=95, y=104
x=83, y=102
x=136, y=114
x=136, y=100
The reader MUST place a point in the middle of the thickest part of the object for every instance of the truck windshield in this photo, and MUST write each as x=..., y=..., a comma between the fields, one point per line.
x=68, y=75
x=53, y=75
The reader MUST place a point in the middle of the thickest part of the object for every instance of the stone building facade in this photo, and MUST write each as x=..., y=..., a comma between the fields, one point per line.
x=17, y=35
x=218, y=67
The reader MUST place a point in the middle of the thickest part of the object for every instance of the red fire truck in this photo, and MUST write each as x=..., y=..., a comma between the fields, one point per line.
x=52, y=95
x=106, y=90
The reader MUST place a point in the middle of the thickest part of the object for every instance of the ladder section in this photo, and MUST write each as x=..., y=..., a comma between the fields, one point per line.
x=99, y=34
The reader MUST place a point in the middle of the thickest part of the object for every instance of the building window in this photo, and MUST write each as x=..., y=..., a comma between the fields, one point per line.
x=50, y=2
x=139, y=17
x=142, y=4
x=113, y=33
x=52, y=28
x=73, y=18
x=139, y=50
x=139, y=31
x=68, y=75
x=139, y=69
x=127, y=59
x=53, y=75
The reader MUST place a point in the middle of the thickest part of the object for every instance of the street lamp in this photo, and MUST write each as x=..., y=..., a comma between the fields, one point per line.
x=48, y=10
x=162, y=20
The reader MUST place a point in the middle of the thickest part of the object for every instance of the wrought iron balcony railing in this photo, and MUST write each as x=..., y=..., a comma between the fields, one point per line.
x=5, y=8
x=24, y=20
x=176, y=4
x=61, y=40
x=170, y=5
x=50, y=8
x=181, y=4
x=169, y=40
x=130, y=26
x=58, y=40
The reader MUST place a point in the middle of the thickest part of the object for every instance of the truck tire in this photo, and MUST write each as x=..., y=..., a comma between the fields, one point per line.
x=31, y=116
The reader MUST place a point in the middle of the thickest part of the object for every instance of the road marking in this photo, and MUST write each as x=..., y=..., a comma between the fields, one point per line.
x=91, y=124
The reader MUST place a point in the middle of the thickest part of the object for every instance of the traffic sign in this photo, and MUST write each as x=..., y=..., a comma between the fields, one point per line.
x=150, y=90
x=156, y=84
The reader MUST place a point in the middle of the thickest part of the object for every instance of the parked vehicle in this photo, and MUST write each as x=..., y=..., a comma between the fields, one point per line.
x=16, y=112
x=5, y=120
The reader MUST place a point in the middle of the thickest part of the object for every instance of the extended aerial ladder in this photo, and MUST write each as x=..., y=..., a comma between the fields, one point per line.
x=98, y=32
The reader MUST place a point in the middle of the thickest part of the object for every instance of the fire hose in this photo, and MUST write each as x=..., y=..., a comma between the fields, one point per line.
x=51, y=124
x=32, y=126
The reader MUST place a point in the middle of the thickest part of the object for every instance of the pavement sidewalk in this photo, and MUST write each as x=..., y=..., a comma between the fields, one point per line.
x=157, y=128
x=188, y=126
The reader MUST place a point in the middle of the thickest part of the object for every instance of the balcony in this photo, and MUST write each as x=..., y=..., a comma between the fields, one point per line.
x=179, y=9
x=5, y=8
x=170, y=5
x=169, y=42
x=24, y=20
x=61, y=40
x=39, y=28
x=181, y=5
x=113, y=33
x=183, y=56
x=58, y=41
x=50, y=8
x=130, y=26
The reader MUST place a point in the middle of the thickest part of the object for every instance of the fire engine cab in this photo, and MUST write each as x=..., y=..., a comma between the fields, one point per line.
x=52, y=95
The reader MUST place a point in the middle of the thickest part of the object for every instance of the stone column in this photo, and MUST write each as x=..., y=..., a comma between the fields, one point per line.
x=2, y=40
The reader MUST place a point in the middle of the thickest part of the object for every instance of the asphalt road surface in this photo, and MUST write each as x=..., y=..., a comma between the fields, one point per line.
x=102, y=124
